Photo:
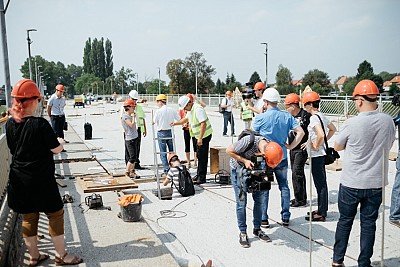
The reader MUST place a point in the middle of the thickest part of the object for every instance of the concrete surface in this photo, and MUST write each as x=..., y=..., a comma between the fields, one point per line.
x=189, y=231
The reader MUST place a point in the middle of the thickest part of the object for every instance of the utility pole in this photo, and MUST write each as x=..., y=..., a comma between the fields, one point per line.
x=266, y=63
x=196, y=80
x=159, y=81
x=29, y=51
x=5, y=53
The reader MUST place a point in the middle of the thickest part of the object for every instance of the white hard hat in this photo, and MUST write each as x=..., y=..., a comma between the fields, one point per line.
x=134, y=94
x=183, y=101
x=271, y=95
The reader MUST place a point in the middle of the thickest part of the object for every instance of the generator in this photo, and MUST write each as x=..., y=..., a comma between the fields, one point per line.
x=94, y=201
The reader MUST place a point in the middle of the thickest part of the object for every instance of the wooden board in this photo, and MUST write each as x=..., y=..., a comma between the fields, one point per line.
x=219, y=160
x=90, y=184
x=60, y=183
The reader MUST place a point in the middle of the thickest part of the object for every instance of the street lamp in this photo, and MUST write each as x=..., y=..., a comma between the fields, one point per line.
x=196, y=80
x=159, y=81
x=29, y=50
x=266, y=63
x=137, y=82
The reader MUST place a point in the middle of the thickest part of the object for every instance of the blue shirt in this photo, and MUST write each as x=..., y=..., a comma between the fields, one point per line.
x=275, y=125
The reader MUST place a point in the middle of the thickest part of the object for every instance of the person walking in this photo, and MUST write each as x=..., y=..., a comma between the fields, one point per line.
x=128, y=121
x=32, y=186
x=275, y=125
x=319, y=125
x=163, y=118
x=366, y=140
x=201, y=128
x=227, y=105
x=240, y=153
x=55, y=111
x=298, y=155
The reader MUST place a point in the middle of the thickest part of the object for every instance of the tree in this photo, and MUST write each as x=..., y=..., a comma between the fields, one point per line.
x=86, y=83
x=231, y=84
x=101, y=60
x=179, y=77
x=314, y=77
x=151, y=87
x=87, y=66
x=254, y=78
x=284, y=81
x=219, y=87
x=124, y=80
x=349, y=85
x=363, y=68
x=109, y=68
x=195, y=63
x=394, y=89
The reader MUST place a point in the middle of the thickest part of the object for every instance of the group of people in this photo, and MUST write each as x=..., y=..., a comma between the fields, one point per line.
x=366, y=140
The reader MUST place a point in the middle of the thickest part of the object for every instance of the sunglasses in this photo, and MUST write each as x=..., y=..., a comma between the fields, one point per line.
x=23, y=100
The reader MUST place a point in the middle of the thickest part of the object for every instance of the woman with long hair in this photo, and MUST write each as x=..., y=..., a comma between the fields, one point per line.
x=32, y=186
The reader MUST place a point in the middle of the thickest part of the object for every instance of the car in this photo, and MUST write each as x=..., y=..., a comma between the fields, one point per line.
x=333, y=94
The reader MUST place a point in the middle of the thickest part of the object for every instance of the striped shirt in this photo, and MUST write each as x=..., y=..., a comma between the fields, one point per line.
x=240, y=146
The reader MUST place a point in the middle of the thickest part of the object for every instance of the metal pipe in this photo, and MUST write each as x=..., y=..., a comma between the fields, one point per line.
x=29, y=51
x=266, y=63
x=5, y=54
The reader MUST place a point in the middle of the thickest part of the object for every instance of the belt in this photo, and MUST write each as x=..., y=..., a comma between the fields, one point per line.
x=164, y=130
x=58, y=116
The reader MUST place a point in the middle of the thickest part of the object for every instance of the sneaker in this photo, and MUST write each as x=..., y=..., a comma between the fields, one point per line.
x=225, y=135
x=261, y=235
x=244, y=240
x=265, y=224
x=233, y=135
x=296, y=204
x=395, y=223
x=285, y=222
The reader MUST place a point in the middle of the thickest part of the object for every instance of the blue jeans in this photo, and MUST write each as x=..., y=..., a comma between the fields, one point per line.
x=228, y=118
x=348, y=201
x=319, y=177
x=395, y=205
x=258, y=198
x=281, y=177
x=163, y=143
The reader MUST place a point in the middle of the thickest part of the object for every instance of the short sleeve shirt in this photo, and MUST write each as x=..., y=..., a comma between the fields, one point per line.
x=240, y=146
x=130, y=133
x=57, y=105
x=313, y=134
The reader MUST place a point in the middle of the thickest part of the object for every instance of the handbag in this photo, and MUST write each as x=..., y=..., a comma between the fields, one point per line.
x=331, y=153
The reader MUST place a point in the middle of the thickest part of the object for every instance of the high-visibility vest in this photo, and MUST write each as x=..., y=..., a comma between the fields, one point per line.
x=140, y=117
x=246, y=113
x=196, y=125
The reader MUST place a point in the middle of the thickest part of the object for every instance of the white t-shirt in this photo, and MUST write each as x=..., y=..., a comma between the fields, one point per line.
x=259, y=104
x=200, y=114
x=313, y=134
x=164, y=116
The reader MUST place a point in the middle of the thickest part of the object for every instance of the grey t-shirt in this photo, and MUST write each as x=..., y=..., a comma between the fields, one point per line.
x=130, y=133
x=367, y=139
x=241, y=145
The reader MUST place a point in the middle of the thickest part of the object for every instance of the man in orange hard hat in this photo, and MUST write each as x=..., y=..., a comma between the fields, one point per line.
x=366, y=140
x=258, y=107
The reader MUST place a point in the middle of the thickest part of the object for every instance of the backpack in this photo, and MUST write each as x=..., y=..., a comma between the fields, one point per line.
x=252, y=134
x=221, y=109
x=185, y=187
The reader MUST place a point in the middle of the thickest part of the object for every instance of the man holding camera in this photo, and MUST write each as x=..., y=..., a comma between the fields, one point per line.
x=275, y=125
x=258, y=106
x=241, y=153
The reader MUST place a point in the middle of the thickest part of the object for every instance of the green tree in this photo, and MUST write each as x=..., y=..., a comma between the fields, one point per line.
x=179, y=77
x=363, y=68
x=109, y=59
x=254, y=78
x=94, y=58
x=124, y=80
x=349, y=85
x=318, y=78
x=219, y=87
x=394, y=89
x=151, y=87
x=101, y=59
x=195, y=63
x=87, y=66
x=284, y=81
x=86, y=83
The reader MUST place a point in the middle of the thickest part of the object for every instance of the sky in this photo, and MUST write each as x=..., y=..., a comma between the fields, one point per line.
x=334, y=36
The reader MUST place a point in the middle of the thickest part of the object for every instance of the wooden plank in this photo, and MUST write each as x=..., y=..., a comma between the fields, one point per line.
x=89, y=184
x=60, y=183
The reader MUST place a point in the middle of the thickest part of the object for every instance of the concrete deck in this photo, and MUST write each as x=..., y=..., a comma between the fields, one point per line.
x=189, y=231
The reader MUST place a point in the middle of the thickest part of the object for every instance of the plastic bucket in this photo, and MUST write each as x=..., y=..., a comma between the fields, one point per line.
x=132, y=212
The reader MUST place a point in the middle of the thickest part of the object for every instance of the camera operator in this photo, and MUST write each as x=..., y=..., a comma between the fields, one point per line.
x=258, y=106
x=241, y=153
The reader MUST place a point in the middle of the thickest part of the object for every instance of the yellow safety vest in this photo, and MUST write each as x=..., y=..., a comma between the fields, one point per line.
x=246, y=113
x=196, y=125
x=140, y=117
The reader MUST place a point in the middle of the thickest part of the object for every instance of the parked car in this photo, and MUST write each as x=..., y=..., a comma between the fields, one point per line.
x=333, y=94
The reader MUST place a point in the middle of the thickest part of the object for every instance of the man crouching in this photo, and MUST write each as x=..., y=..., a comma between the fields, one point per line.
x=248, y=176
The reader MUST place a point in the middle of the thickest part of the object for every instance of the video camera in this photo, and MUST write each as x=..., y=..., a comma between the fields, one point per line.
x=259, y=178
x=249, y=94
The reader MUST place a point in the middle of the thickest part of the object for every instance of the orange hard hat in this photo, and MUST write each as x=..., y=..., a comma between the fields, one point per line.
x=171, y=155
x=25, y=88
x=228, y=93
x=366, y=87
x=60, y=87
x=190, y=97
x=273, y=154
x=259, y=86
x=292, y=98
x=310, y=97
x=129, y=103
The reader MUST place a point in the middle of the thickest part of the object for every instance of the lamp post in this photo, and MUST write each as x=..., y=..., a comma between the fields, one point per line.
x=137, y=82
x=159, y=81
x=266, y=63
x=196, y=80
x=29, y=50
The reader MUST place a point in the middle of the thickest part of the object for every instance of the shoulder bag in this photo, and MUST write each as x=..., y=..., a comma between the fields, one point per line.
x=331, y=153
